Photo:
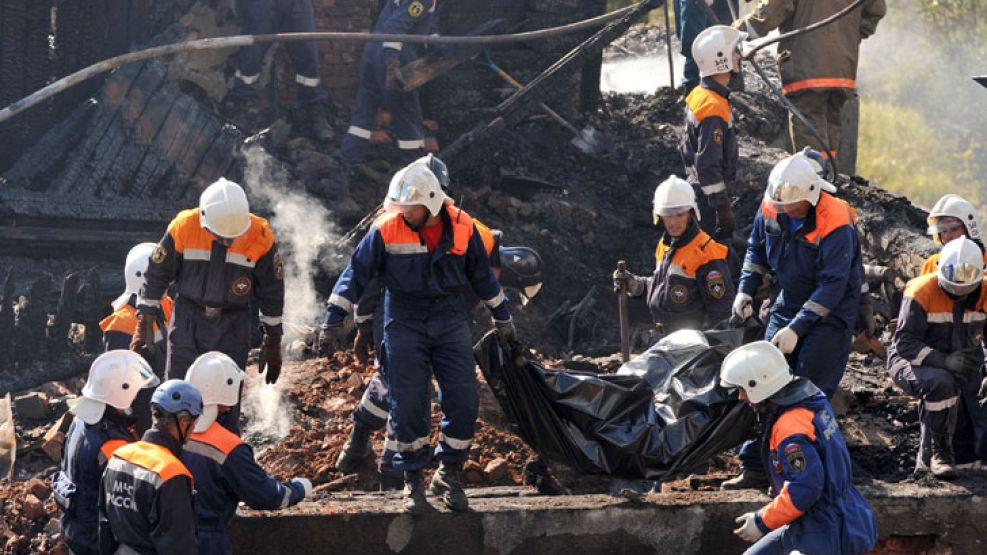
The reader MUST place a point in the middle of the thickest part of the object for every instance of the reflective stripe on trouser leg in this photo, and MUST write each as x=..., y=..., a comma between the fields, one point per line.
x=455, y=371
x=937, y=391
x=299, y=17
x=364, y=119
x=406, y=356
x=406, y=123
x=260, y=18
x=373, y=409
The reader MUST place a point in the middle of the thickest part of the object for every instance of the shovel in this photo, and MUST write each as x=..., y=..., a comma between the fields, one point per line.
x=625, y=322
x=588, y=141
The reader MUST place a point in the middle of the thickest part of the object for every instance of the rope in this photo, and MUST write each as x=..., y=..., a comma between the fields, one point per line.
x=240, y=41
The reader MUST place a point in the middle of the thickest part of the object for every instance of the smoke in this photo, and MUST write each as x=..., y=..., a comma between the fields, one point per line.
x=643, y=74
x=302, y=227
x=923, y=119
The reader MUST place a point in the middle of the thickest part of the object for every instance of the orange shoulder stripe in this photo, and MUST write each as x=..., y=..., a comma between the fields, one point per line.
x=153, y=457
x=394, y=230
x=486, y=235
x=929, y=266
x=780, y=511
x=768, y=210
x=705, y=103
x=831, y=213
x=255, y=243
x=110, y=446
x=462, y=228
x=926, y=292
x=219, y=437
x=797, y=421
x=123, y=320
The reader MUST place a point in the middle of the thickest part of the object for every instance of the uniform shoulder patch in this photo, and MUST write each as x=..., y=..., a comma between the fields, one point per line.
x=278, y=267
x=718, y=136
x=716, y=284
x=679, y=294
x=159, y=254
x=795, y=457
x=416, y=8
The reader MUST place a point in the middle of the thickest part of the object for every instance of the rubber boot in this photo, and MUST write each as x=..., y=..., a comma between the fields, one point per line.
x=318, y=121
x=357, y=452
x=390, y=481
x=941, y=465
x=414, y=493
x=447, y=484
x=748, y=479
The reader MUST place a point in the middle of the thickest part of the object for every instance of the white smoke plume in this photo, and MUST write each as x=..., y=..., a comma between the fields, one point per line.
x=302, y=227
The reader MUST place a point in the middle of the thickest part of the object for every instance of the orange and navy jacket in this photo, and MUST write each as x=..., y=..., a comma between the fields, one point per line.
x=368, y=303
x=709, y=142
x=818, y=267
x=87, y=449
x=811, y=476
x=691, y=287
x=817, y=60
x=145, y=500
x=118, y=328
x=931, y=324
x=208, y=274
x=225, y=473
x=415, y=279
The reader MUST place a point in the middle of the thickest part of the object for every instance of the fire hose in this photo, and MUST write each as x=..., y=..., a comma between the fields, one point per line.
x=240, y=41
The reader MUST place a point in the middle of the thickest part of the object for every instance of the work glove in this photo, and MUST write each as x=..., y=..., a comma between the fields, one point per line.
x=785, y=340
x=331, y=337
x=306, y=485
x=748, y=530
x=393, y=79
x=622, y=281
x=270, y=357
x=363, y=345
x=725, y=222
x=964, y=361
x=142, y=341
x=982, y=393
x=743, y=307
x=865, y=314
x=507, y=332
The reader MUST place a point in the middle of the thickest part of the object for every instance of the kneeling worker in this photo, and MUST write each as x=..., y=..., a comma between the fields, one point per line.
x=223, y=466
x=816, y=508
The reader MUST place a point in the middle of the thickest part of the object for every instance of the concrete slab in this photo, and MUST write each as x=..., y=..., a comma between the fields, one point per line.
x=504, y=521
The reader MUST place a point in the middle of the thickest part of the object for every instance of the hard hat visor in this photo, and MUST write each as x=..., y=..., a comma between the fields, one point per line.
x=666, y=211
x=944, y=224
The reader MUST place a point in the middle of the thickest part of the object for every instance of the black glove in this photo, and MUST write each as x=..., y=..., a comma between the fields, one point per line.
x=270, y=357
x=331, y=337
x=508, y=334
x=363, y=345
x=964, y=361
x=142, y=341
x=393, y=79
x=726, y=223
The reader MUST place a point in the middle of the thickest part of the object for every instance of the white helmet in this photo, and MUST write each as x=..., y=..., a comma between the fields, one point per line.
x=416, y=185
x=224, y=210
x=758, y=367
x=960, y=267
x=793, y=180
x=954, y=206
x=713, y=49
x=114, y=379
x=674, y=196
x=218, y=379
x=136, y=265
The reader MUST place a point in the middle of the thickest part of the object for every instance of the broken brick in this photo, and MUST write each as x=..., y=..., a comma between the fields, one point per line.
x=32, y=507
x=32, y=406
x=38, y=488
x=496, y=469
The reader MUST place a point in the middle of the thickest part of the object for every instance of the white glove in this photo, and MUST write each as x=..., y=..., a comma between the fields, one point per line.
x=306, y=485
x=748, y=530
x=743, y=306
x=785, y=340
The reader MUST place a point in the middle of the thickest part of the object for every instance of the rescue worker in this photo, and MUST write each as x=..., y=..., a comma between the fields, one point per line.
x=118, y=328
x=263, y=17
x=145, y=497
x=223, y=467
x=220, y=257
x=806, y=238
x=103, y=422
x=427, y=254
x=691, y=19
x=709, y=141
x=691, y=286
x=816, y=508
x=381, y=84
x=952, y=216
x=818, y=69
x=937, y=354
x=516, y=267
